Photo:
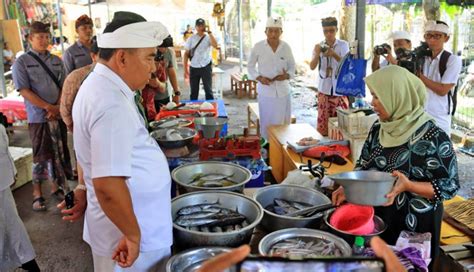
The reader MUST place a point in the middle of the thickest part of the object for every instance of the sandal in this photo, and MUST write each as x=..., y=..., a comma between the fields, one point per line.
x=38, y=204
x=58, y=195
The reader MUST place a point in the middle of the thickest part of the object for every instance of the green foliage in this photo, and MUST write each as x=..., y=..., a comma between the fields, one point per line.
x=451, y=10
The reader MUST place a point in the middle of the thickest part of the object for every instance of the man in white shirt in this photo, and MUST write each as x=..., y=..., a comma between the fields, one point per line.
x=440, y=74
x=15, y=246
x=128, y=217
x=328, y=54
x=401, y=39
x=276, y=66
x=198, y=50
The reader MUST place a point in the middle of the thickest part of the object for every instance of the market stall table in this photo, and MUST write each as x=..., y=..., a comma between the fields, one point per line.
x=283, y=159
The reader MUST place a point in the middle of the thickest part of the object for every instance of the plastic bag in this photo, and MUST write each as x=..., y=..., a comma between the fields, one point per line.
x=297, y=177
x=350, y=79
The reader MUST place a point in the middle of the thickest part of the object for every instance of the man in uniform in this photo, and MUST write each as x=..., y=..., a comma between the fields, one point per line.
x=276, y=66
x=38, y=76
x=78, y=54
x=401, y=39
x=327, y=55
x=128, y=216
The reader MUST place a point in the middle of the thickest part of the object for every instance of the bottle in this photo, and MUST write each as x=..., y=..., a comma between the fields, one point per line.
x=359, y=102
x=358, y=247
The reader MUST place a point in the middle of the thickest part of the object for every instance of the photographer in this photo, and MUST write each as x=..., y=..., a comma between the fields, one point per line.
x=328, y=54
x=166, y=54
x=401, y=39
x=440, y=74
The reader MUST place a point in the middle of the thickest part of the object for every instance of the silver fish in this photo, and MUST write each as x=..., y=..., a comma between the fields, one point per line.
x=196, y=208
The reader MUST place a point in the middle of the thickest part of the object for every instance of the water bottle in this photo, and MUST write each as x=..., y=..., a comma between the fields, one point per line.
x=358, y=247
x=359, y=102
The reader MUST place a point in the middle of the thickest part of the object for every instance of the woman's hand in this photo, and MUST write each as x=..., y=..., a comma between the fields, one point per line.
x=402, y=184
x=338, y=196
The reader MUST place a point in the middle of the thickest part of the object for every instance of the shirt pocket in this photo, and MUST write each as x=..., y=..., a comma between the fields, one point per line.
x=35, y=73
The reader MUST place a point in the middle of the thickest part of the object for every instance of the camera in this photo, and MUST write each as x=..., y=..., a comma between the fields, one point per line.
x=159, y=56
x=324, y=47
x=382, y=49
x=413, y=60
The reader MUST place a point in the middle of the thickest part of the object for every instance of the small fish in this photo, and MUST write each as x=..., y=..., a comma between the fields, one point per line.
x=197, y=215
x=237, y=227
x=229, y=228
x=217, y=229
x=205, y=229
x=210, y=177
x=196, y=208
x=245, y=223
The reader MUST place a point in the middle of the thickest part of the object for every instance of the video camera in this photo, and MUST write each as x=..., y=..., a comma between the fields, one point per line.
x=413, y=60
x=382, y=49
x=324, y=47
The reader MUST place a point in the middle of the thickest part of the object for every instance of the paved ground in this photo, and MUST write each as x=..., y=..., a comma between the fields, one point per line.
x=59, y=244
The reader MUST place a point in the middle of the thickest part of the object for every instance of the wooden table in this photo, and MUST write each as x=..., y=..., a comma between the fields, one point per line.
x=283, y=159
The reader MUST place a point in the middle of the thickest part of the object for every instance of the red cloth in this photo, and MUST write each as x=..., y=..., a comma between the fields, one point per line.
x=148, y=93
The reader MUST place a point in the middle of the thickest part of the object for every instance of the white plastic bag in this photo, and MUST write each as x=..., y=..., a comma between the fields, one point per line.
x=300, y=178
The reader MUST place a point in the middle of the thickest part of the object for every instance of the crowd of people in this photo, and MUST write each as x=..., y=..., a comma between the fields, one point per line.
x=108, y=87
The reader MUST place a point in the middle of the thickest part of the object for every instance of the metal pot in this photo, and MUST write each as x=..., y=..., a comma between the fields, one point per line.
x=245, y=206
x=162, y=123
x=183, y=175
x=365, y=187
x=209, y=126
x=379, y=226
x=271, y=239
x=191, y=260
x=187, y=134
x=272, y=221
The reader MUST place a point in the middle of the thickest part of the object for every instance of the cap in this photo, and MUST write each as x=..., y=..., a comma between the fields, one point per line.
x=200, y=21
x=274, y=22
x=83, y=20
x=359, y=241
x=400, y=35
x=39, y=27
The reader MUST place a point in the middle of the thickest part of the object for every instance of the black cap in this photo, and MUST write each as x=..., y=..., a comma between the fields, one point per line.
x=200, y=21
x=122, y=18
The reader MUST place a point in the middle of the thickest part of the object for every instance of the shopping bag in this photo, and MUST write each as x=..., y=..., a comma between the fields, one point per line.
x=350, y=79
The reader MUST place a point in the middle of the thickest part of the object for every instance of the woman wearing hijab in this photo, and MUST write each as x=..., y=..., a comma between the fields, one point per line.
x=407, y=143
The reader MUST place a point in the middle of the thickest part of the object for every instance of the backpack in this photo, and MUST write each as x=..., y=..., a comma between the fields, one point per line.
x=452, y=94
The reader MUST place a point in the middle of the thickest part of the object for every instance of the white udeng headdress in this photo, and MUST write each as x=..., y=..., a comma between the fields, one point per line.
x=135, y=35
x=433, y=26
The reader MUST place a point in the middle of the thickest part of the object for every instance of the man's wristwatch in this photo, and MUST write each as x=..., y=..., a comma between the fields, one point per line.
x=177, y=93
x=81, y=187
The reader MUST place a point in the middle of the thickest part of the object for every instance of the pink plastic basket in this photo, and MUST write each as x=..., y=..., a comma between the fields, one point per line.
x=354, y=219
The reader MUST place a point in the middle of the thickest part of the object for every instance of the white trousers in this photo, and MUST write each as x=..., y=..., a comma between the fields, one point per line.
x=152, y=261
x=273, y=111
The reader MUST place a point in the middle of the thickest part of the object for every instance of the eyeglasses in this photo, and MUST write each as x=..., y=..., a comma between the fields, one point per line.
x=329, y=31
x=433, y=36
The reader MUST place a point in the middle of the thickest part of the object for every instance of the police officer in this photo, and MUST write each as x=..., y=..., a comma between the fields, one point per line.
x=38, y=76
x=78, y=54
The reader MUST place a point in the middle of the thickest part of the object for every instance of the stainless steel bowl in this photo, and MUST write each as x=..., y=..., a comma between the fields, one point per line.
x=379, y=228
x=271, y=239
x=162, y=123
x=183, y=175
x=187, y=134
x=365, y=187
x=191, y=260
x=209, y=126
x=272, y=221
x=246, y=206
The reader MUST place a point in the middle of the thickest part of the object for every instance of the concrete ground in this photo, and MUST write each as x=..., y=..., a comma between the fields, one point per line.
x=59, y=245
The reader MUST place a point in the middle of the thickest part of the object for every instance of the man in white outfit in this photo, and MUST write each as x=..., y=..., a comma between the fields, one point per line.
x=128, y=217
x=271, y=63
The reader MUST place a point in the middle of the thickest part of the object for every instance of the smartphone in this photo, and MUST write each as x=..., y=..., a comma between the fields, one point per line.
x=69, y=199
x=276, y=264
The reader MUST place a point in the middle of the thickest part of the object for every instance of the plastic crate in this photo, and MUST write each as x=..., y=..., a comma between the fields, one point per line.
x=23, y=158
x=355, y=124
x=334, y=132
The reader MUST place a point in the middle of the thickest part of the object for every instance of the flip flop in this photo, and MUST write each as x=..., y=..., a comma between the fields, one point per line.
x=58, y=195
x=41, y=206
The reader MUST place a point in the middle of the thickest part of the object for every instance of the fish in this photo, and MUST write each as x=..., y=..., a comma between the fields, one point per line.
x=210, y=177
x=197, y=215
x=283, y=207
x=197, y=208
x=307, y=248
x=212, y=183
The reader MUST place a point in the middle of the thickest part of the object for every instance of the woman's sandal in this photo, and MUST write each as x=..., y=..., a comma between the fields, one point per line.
x=58, y=195
x=38, y=204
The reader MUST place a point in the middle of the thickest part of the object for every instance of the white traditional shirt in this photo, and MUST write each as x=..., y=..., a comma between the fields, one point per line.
x=202, y=53
x=327, y=84
x=111, y=140
x=437, y=105
x=271, y=64
x=7, y=166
